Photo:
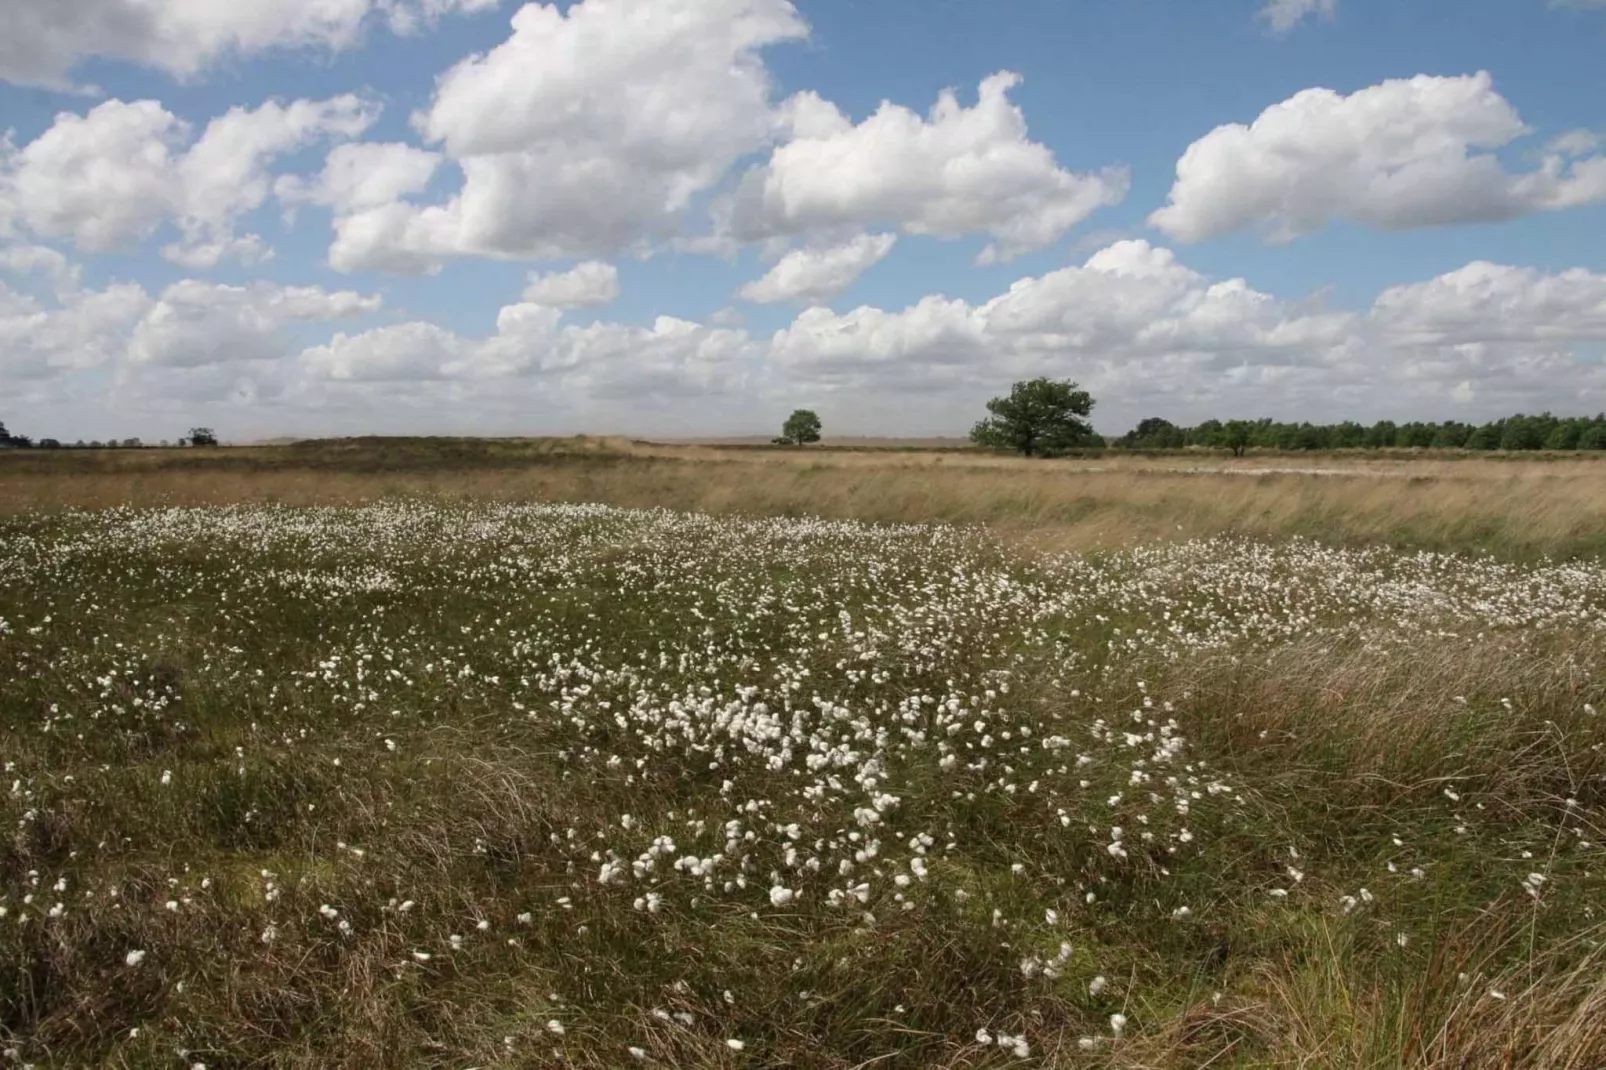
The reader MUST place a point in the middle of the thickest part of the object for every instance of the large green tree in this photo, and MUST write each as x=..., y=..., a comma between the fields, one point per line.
x=1039, y=417
x=801, y=428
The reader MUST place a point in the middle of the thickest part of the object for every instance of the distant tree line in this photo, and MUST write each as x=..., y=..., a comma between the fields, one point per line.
x=197, y=436
x=1519, y=432
x=1044, y=417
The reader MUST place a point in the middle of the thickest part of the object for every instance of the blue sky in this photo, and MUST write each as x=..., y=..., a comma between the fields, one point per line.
x=1407, y=220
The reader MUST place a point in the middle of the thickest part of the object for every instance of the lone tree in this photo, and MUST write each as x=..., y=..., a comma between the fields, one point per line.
x=1237, y=435
x=202, y=436
x=1039, y=417
x=801, y=428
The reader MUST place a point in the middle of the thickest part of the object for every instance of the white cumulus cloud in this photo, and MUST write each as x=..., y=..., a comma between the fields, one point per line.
x=1487, y=303
x=1405, y=153
x=42, y=260
x=815, y=274
x=672, y=358
x=585, y=285
x=1127, y=302
x=44, y=40
x=86, y=329
x=113, y=176
x=197, y=323
x=586, y=132
x=958, y=170
x=364, y=174
x=192, y=324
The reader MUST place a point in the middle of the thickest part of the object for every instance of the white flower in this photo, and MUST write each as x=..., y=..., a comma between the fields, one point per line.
x=134, y=958
x=780, y=896
x=735, y=1045
x=1097, y=985
x=983, y=1037
x=555, y=1027
x=1117, y=1025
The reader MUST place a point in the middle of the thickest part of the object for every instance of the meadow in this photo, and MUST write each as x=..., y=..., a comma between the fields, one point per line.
x=603, y=754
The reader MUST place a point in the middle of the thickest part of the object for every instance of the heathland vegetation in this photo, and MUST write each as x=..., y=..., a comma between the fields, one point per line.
x=589, y=752
x=1049, y=417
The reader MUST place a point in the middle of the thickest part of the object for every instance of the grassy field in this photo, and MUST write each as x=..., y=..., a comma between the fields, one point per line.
x=393, y=754
x=1517, y=507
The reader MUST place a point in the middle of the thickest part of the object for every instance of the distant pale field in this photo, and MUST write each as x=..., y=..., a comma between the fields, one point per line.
x=1514, y=506
x=867, y=442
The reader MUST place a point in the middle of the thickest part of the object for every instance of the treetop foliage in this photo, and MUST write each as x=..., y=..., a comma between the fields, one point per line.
x=801, y=428
x=1039, y=417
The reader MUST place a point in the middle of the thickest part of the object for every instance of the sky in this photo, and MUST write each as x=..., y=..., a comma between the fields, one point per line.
x=690, y=217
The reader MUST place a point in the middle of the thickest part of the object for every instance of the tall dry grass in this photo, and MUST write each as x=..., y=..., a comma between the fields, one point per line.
x=1514, y=508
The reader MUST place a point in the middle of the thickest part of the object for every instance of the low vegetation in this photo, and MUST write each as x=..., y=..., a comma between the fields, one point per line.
x=1510, y=505
x=418, y=783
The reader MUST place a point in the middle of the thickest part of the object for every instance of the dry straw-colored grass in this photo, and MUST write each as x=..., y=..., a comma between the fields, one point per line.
x=1519, y=508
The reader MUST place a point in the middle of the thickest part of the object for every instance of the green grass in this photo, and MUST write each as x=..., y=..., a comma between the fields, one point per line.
x=457, y=707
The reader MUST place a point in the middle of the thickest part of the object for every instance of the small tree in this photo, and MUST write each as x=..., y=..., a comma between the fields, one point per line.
x=801, y=428
x=1039, y=417
x=1236, y=435
x=202, y=436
